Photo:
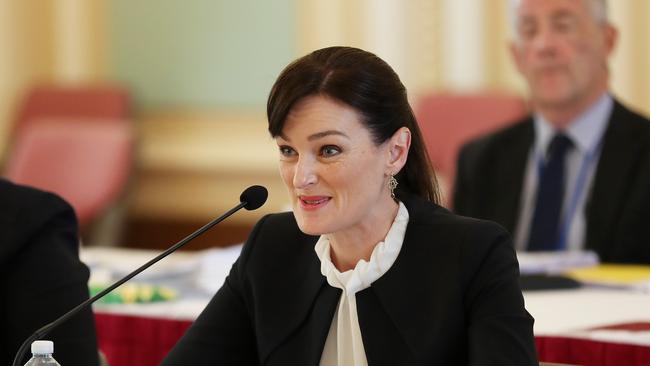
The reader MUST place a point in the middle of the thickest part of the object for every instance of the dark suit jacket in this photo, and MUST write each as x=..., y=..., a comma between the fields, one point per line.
x=491, y=171
x=41, y=276
x=451, y=298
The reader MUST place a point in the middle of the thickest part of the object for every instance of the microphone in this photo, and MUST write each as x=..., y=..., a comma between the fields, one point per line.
x=252, y=198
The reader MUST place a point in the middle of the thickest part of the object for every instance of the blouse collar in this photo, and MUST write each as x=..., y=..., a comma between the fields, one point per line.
x=365, y=272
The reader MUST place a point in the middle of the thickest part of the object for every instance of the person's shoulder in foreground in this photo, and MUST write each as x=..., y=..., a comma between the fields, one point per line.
x=42, y=277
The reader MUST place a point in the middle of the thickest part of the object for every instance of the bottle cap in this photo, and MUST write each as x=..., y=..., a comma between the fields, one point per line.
x=42, y=347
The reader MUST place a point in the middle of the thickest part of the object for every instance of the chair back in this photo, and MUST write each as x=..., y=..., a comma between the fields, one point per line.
x=101, y=102
x=448, y=121
x=87, y=162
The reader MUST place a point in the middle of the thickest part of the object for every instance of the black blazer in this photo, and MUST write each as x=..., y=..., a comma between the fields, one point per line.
x=451, y=298
x=41, y=276
x=491, y=171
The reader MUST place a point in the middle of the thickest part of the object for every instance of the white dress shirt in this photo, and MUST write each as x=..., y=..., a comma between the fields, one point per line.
x=586, y=132
x=344, y=345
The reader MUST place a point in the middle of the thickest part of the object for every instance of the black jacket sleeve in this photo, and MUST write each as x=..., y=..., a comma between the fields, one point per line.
x=499, y=327
x=43, y=278
x=223, y=334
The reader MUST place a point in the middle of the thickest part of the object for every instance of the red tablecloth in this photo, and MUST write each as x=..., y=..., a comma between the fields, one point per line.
x=141, y=341
x=591, y=353
x=137, y=341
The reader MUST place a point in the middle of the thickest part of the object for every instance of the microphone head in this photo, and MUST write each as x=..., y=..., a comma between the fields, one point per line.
x=253, y=197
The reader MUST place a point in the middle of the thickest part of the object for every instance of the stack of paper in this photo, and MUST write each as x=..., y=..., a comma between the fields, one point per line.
x=554, y=262
x=214, y=266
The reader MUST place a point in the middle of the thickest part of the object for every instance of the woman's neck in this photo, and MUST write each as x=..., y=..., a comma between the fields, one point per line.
x=348, y=247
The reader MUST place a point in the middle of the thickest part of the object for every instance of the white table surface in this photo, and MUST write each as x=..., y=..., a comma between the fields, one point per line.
x=557, y=313
x=573, y=312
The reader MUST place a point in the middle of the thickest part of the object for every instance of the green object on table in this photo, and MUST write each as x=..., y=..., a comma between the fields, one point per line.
x=135, y=293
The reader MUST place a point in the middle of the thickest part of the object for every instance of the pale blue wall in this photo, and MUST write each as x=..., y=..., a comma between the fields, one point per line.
x=200, y=54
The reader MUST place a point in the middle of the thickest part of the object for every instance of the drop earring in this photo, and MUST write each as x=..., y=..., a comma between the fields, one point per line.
x=392, y=184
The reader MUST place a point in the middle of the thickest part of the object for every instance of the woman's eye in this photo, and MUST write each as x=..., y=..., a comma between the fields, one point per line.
x=286, y=151
x=330, y=150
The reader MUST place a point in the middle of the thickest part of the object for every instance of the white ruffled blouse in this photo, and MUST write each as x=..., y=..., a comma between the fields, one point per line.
x=344, y=345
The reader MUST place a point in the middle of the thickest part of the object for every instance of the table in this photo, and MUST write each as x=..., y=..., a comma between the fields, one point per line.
x=142, y=334
x=570, y=325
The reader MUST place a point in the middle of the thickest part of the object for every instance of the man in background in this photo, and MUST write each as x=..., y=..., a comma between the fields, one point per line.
x=41, y=276
x=576, y=173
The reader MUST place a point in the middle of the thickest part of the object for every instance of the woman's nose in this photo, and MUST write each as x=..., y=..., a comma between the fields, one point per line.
x=305, y=173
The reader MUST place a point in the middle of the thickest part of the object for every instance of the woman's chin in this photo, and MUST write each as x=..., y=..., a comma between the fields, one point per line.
x=311, y=227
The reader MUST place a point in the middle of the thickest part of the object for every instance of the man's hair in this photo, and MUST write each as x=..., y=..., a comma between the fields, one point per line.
x=598, y=11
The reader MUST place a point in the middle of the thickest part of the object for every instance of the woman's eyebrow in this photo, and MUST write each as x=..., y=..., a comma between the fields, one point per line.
x=320, y=135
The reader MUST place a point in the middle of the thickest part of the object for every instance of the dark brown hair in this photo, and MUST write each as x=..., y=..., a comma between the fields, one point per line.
x=365, y=82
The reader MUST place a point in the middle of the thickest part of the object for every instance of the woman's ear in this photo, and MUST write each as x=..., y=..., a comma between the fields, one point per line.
x=398, y=150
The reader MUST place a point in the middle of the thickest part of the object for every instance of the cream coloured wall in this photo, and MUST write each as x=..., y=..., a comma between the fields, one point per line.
x=5, y=71
x=58, y=41
x=25, y=53
x=79, y=41
x=406, y=34
x=630, y=65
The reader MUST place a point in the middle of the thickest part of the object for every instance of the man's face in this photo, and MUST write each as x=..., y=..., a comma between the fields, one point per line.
x=562, y=51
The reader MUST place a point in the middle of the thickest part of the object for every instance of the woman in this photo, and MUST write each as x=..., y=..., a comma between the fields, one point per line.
x=367, y=269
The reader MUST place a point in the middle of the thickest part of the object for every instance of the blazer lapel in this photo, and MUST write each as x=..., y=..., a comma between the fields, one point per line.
x=302, y=342
x=294, y=330
x=619, y=156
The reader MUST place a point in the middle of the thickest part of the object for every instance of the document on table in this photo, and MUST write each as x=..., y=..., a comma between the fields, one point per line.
x=531, y=263
x=633, y=277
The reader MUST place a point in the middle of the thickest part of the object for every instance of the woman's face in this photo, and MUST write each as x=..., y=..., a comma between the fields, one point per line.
x=335, y=174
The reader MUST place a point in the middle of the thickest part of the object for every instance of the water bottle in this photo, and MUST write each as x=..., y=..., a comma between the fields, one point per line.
x=42, y=354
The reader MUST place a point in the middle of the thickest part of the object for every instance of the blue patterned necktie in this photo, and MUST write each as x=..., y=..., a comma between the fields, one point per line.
x=544, y=230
